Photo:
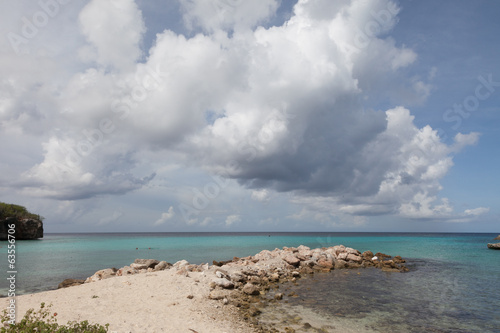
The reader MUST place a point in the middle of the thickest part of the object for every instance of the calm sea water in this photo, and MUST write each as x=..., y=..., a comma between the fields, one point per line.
x=453, y=285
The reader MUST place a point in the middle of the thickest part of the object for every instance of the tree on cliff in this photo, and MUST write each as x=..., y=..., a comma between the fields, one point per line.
x=19, y=212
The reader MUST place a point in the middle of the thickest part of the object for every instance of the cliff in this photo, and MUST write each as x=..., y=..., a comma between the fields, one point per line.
x=27, y=228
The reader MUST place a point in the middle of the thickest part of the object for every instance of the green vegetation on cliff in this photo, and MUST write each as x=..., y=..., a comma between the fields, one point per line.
x=20, y=212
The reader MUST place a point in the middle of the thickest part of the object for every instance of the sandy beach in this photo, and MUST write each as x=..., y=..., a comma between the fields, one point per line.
x=150, y=302
x=153, y=296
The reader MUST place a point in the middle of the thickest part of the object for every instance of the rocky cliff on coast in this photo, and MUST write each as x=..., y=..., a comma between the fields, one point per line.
x=27, y=228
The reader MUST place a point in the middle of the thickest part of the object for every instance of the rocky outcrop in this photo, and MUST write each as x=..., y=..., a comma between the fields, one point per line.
x=494, y=246
x=138, y=266
x=24, y=228
x=102, y=274
x=70, y=283
x=497, y=238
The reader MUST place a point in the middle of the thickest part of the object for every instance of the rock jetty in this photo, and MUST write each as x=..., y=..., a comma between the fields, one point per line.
x=246, y=282
x=276, y=265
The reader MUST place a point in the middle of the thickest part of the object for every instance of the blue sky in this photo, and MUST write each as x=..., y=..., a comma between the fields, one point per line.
x=231, y=115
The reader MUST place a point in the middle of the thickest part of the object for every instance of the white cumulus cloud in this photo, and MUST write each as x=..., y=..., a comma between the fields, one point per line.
x=282, y=108
x=165, y=216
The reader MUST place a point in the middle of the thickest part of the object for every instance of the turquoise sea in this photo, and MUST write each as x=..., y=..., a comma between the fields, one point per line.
x=453, y=284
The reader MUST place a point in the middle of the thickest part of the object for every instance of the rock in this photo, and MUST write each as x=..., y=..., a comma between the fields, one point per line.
x=375, y=258
x=382, y=256
x=339, y=264
x=221, y=263
x=307, y=270
x=494, y=246
x=102, y=274
x=149, y=263
x=300, y=257
x=162, y=265
x=354, y=257
x=250, y=289
x=127, y=270
x=367, y=254
x=70, y=283
x=180, y=264
x=398, y=260
x=337, y=249
x=325, y=263
x=497, y=238
x=352, y=265
x=278, y=296
x=350, y=250
x=24, y=229
x=138, y=266
x=274, y=277
x=308, y=263
x=342, y=256
x=292, y=260
x=222, y=273
x=238, y=277
x=224, y=283
x=255, y=280
x=304, y=251
x=264, y=255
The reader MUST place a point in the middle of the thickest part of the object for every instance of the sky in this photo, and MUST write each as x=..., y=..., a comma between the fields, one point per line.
x=235, y=115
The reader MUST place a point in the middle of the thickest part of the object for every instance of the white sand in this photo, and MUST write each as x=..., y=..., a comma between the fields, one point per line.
x=150, y=302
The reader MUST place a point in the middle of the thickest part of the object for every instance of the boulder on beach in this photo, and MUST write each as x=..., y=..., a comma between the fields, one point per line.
x=223, y=283
x=250, y=289
x=149, y=263
x=70, y=283
x=162, y=265
x=494, y=246
x=102, y=274
x=292, y=260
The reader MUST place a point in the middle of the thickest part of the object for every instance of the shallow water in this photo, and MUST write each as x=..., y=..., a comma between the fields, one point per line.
x=433, y=297
x=453, y=285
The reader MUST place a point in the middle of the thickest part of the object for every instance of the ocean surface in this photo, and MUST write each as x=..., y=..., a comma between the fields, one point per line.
x=453, y=284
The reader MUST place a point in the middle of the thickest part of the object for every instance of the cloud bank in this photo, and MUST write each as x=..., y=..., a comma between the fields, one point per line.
x=289, y=108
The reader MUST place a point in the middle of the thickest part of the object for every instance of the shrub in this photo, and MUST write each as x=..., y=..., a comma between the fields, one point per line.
x=20, y=212
x=44, y=321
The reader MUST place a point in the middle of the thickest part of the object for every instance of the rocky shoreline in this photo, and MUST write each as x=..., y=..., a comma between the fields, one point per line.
x=253, y=282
